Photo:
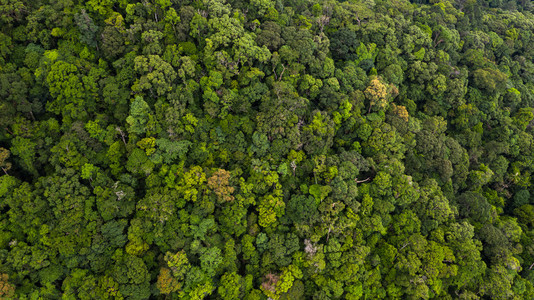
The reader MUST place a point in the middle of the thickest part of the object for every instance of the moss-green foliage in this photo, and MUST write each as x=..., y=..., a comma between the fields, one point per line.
x=266, y=149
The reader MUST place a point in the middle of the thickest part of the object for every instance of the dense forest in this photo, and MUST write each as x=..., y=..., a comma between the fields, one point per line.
x=266, y=149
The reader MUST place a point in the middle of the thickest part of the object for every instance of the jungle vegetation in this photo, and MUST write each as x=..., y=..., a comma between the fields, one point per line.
x=282, y=149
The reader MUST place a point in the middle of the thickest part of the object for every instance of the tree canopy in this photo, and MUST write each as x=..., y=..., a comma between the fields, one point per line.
x=289, y=149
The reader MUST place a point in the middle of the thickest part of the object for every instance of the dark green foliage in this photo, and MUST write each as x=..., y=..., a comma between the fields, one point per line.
x=301, y=209
x=266, y=149
x=343, y=44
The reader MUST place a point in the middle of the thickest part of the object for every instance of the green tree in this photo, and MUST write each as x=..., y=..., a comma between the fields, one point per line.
x=157, y=75
x=140, y=119
x=230, y=287
x=68, y=92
